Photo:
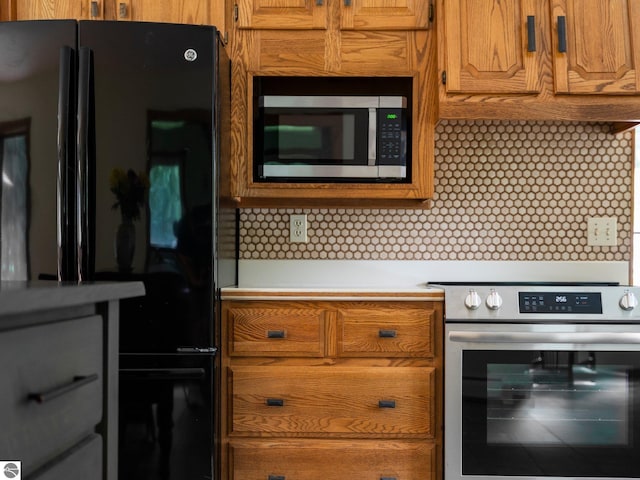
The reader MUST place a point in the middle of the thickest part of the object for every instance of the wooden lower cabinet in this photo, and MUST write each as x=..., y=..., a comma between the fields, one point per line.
x=331, y=460
x=317, y=389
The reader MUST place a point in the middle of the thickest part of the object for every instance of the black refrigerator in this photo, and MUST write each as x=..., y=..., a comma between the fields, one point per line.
x=113, y=146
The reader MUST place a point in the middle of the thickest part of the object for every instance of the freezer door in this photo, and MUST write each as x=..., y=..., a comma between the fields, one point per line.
x=167, y=406
x=37, y=86
x=148, y=179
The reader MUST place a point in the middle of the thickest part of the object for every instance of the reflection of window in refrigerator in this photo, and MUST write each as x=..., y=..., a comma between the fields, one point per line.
x=14, y=159
x=165, y=202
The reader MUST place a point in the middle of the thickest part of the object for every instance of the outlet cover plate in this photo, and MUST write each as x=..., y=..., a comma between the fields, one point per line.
x=298, y=228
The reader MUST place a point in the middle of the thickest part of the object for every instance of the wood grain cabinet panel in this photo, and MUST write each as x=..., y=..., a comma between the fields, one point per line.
x=57, y=9
x=488, y=46
x=596, y=46
x=385, y=331
x=332, y=400
x=385, y=15
x=333, y=460
x=276, y=331
x=282, y=14
x=199, y=12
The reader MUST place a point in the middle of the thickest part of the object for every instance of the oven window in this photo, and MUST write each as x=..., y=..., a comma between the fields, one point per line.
x=551, y=413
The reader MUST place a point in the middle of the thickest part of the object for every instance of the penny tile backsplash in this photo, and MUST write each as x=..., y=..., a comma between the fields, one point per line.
x=513, y=191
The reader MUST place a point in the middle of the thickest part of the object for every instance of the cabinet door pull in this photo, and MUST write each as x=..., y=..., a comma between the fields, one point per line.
x=77, y=382
x=531, y=33
x=94, y=9
x=347, y=3
x=122, y=10
x=387, y=333
x=562, y=34
x=276, y=477
x=275, y=402
x=386, y=404
x=276, y=334
x=319, y=2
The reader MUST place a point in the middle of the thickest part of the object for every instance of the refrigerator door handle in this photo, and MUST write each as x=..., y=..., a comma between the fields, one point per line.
x=84, y=158
x=162, y=373
x=65, y=177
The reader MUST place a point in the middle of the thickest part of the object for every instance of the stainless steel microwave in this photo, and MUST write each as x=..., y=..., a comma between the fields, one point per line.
x=331, y=139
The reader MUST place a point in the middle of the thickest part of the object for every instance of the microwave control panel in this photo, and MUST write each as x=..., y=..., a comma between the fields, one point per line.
x=391, y=136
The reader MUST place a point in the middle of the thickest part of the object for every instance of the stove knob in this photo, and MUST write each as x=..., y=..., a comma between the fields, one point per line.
x=628, y=301
x=473, y=300
x=494, y=300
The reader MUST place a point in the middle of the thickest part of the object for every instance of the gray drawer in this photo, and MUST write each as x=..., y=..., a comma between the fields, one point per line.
x=83, y=462
x=48, y=360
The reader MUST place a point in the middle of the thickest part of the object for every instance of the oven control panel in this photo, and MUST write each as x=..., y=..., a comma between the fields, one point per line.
x=538, y=303
x=561, y=303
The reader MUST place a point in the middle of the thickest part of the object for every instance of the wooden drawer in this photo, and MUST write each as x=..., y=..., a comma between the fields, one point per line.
x=82, y=462
x=48, y=359
x=385, y=332
x=276, y=331
x=332, y=460
x=346, y=401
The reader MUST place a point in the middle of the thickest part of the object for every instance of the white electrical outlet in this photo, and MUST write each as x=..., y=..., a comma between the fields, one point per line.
x=602, y=231
x=298, y=228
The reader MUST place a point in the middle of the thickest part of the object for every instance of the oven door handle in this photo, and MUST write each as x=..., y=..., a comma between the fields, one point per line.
x=585, y=338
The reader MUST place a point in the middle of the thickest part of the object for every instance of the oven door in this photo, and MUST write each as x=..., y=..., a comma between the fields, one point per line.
x=542, y=401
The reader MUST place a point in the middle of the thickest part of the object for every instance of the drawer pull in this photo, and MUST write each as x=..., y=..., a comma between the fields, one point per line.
x=387, y=478
x=77, y=382
x=386, y=404
x=275, y=402
x=276, y=477
x=387, y=333
x=276, y=334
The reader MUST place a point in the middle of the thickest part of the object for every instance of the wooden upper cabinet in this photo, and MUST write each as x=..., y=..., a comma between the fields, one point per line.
x=385, y=14
x=58, y=9
x=197, y=12
x=353, y=14
x=175, y=11
x=282, y=14
x=596, y=46
x=493, y=47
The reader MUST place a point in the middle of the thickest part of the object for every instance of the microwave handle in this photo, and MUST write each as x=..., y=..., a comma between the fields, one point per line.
x=373, y=126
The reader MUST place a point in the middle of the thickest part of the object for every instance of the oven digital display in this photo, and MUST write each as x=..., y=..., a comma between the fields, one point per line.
x=560, y=302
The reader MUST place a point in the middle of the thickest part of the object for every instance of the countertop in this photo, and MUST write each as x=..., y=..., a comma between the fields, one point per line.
x=25, y=297
x=419, y=293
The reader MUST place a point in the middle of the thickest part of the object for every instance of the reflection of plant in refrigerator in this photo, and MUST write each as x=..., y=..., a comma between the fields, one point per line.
x=130, y=189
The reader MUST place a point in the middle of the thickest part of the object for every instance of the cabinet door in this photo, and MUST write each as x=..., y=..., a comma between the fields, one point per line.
x=493, y=47
x=282, y=14
x=596, y=46
x=57, y=9
x=385, y=15
x=196, y=12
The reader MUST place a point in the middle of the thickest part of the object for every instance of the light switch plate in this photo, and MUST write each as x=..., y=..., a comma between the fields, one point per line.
x=602, y=231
